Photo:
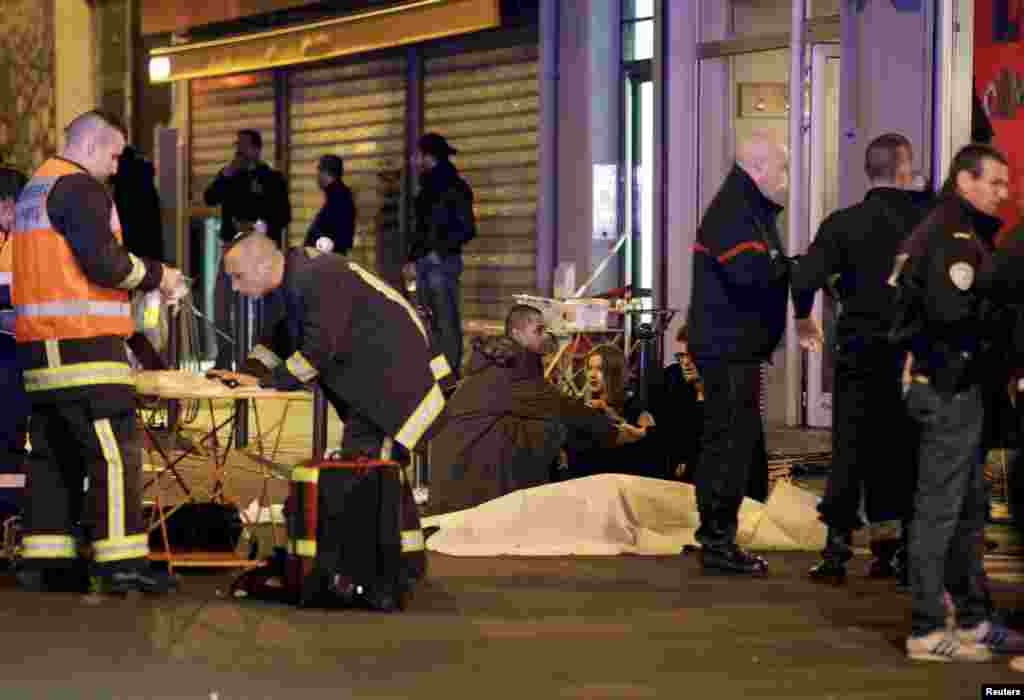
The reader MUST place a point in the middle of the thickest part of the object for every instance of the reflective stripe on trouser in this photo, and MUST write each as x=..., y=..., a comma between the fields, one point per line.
x=412, y=541
x=69, y=443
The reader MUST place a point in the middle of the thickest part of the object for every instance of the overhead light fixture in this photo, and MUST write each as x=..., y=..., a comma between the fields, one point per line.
x=159, y=68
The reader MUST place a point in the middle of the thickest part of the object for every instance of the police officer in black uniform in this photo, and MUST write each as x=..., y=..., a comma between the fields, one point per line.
x=856, y=247
x=947, y=323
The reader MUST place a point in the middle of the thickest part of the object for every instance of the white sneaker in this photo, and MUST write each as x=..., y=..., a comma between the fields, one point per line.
x=421, y=494
x=940, y=645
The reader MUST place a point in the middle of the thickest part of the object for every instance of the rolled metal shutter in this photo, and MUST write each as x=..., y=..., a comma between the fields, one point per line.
x=486, y=102
x=220, y=107
x=354, y=109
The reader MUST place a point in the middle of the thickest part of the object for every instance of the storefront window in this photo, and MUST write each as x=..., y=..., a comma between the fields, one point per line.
x=637, y=30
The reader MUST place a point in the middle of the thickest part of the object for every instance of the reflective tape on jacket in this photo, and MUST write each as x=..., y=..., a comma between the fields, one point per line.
x=306, y=475
x=54, y=298
x=120, y=548
x=301, y=368
x=75, y=308
x=81, y=374
x=440, y=367
x=302, y=548
x=49, y=547
x=390, y=293
x=421, y=419
x=265, y=356
x=413, y=541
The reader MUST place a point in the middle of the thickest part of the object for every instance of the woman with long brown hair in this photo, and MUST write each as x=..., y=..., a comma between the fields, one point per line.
x=606, y=386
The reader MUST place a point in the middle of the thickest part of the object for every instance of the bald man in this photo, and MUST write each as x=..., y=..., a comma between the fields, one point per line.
x=70, y=287
x=736, y=320
x=347, y=330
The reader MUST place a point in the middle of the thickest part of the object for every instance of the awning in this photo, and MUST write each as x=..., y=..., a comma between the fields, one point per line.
x=408, y=23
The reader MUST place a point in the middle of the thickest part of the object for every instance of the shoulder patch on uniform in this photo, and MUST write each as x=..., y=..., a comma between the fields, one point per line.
x=312, y=253
x=963, y=235
x=962, y=275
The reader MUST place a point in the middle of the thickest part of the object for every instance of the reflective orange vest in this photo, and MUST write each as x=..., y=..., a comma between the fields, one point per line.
x=6, y=260
x=53, y=299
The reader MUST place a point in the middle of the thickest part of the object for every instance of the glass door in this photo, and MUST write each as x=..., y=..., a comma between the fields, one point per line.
x=823, y=189
x=639, y=190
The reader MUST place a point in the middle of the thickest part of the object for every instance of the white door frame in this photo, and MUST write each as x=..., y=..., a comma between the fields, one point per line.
x=819, y=402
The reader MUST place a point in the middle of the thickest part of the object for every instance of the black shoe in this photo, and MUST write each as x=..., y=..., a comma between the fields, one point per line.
x=732, y=561
x=884, y=562
x=141, y=578
x=829, y=570
x=52, y=580
x=880, y=567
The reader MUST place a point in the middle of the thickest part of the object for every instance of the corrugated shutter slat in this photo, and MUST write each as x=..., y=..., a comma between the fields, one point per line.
x=356, y=110
x=220, y=107
x=486, y=103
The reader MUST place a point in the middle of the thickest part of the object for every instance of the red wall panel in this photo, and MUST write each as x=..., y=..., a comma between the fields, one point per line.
x=999, y=81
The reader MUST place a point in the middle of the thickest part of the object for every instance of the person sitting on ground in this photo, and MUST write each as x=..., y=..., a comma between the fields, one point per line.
x=506, y=426
x=605, y=390
x=679, y=407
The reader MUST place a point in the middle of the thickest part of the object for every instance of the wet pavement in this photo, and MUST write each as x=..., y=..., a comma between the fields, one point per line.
x=617, y=627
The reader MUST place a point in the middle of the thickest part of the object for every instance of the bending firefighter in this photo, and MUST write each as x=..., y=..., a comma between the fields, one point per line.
x=71, y=284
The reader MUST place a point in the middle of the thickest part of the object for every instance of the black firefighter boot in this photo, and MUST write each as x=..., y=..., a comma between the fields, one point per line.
x=832, y=567
x=884, y=563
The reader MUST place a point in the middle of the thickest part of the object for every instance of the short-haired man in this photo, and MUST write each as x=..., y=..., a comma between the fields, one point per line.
x=71, y=281
x=948, y=328
x=248, y=190
x=852, y=254
x=737, y=315
x=333, y=229
x=344, y=328
x=506, y=425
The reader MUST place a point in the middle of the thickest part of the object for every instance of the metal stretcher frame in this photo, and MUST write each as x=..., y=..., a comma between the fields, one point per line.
x=218, y=462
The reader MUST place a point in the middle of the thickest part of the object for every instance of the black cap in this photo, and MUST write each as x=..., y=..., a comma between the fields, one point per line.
x=436, y=145
x=332, y=165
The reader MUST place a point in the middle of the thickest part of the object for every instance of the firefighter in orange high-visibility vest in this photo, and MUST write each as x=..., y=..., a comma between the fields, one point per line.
x=71, y=284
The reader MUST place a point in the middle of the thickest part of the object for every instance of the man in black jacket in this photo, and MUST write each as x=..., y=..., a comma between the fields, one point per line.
x=444, y=223
x=736, y=319
x=248, y=190
x=857, y=246
x=333, y=229
x=346, y=329
x=947, y=322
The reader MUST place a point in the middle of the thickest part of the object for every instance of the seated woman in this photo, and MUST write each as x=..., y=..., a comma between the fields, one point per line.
x=679, y=402
x=605, y=390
